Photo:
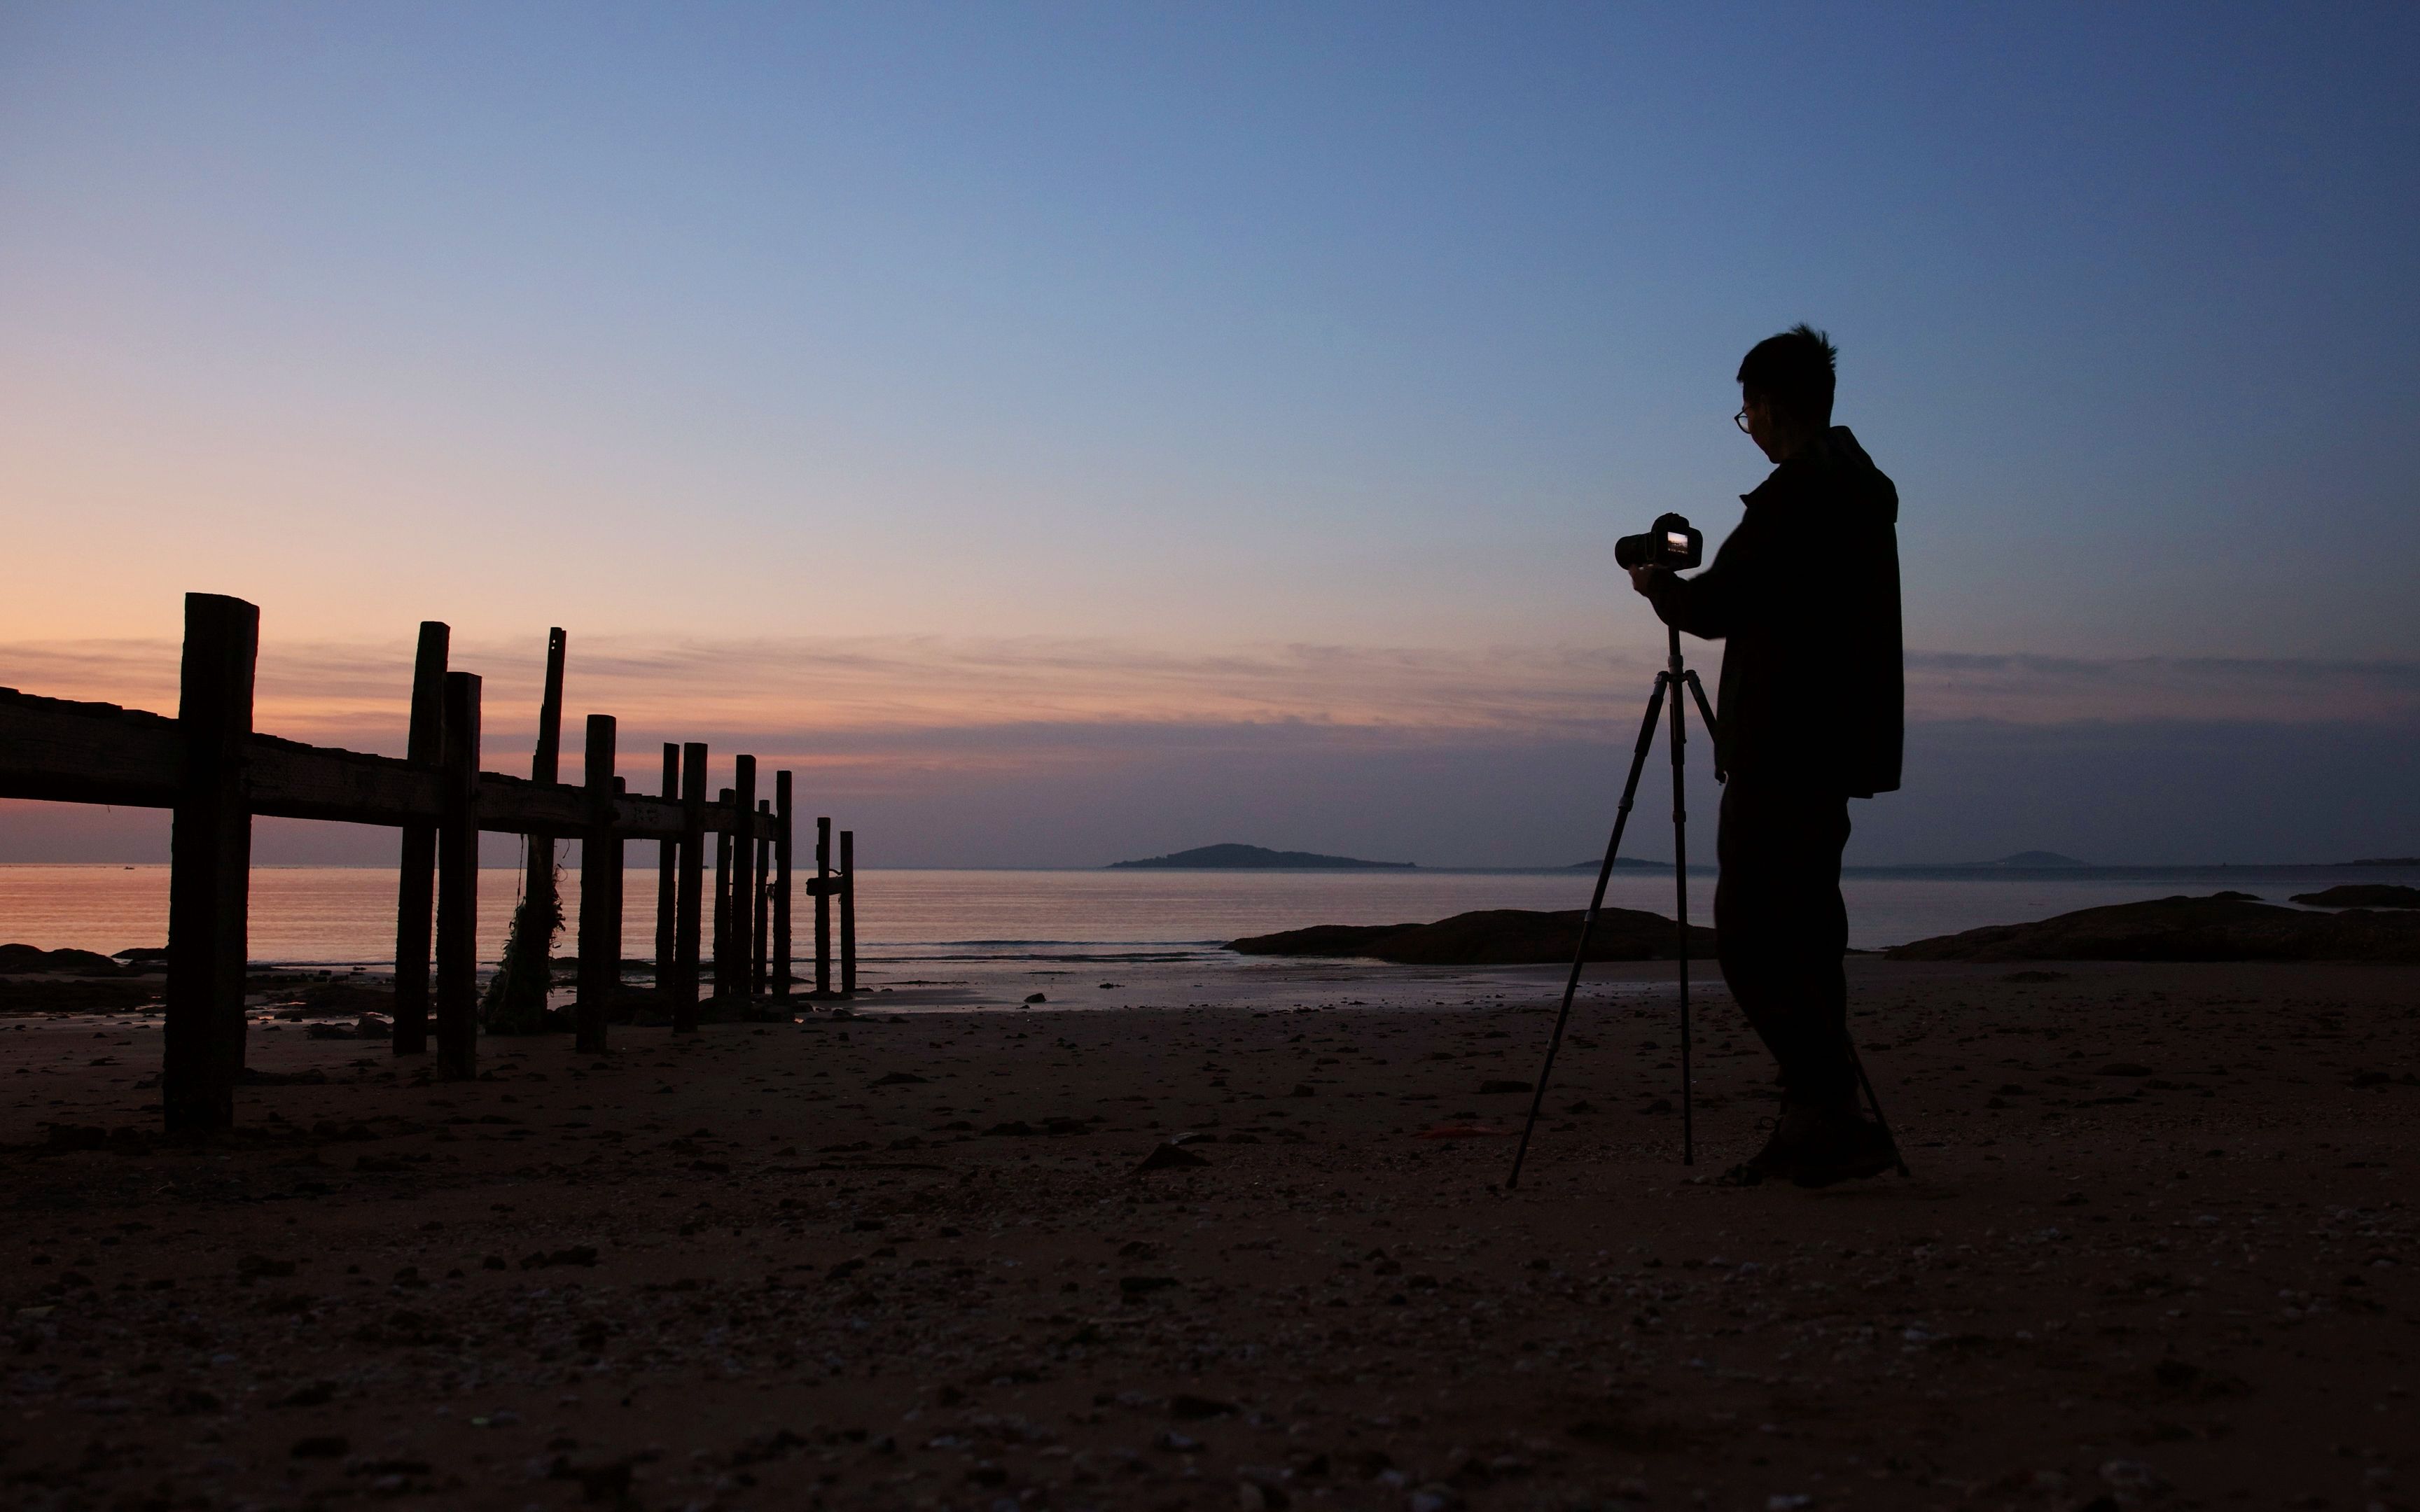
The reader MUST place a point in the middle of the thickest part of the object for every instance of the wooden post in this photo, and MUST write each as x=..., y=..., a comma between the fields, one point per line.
x=760, y=973
x=692, y=887
x=723, y=903
x=600, y=895
x=457, y=886
x=823, y=908
x=782, y=846
x=546, y=767
x=667, y=879
x=849, y=913
x=743, y=873
x=211, y=875
x=415, y=889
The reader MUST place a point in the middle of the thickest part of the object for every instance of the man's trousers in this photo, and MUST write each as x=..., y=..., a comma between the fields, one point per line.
x=1783, y=928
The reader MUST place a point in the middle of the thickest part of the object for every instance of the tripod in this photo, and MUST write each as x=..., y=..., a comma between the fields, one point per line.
x=1669, y=681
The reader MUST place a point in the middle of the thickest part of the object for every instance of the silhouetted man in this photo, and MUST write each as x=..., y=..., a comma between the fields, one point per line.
x=1809, y=715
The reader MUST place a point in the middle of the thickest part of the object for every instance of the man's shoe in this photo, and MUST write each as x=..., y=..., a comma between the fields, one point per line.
x=1841, y=1146
x=1779, y=1159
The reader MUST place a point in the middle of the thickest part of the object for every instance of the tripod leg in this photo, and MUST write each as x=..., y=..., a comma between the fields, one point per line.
x=1680, y=887
x=1713, y=731
x=1876, y=1104
x=1587, y=920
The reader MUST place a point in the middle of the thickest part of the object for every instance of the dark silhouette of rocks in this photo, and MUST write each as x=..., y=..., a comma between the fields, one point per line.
x=2362, y=895
x=1209, y=858
x=32, y=959
x=1488, y=937
x=2224, y=926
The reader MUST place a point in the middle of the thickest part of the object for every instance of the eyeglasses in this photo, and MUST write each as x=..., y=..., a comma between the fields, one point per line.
x=1740, y=421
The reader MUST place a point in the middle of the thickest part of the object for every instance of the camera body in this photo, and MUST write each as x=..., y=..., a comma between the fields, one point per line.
x=1671, y=543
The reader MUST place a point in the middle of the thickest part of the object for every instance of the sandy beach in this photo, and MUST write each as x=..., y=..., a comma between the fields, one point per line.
x=2156, y=1251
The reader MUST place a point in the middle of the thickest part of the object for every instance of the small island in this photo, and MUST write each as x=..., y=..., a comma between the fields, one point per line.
x=2031, y=859
x=1253, y=858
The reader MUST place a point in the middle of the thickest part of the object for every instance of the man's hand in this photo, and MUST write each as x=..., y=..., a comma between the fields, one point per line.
x=1643, y=581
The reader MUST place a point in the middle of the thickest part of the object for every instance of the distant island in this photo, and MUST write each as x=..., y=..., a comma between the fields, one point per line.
x=1213, y=857
x=2031, y=858
x=1617, y=861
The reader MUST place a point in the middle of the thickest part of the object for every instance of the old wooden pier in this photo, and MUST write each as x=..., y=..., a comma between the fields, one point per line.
x=215, y=772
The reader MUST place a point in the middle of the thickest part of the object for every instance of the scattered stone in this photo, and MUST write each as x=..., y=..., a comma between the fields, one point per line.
x=1169, y=1157
x=1260, y=1493
x=2132, y=1476
x=1491, y=1087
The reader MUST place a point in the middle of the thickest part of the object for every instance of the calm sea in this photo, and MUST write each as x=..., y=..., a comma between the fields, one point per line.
x=937, y=922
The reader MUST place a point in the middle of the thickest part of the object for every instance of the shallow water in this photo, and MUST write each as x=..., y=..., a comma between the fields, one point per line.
x=913, y=923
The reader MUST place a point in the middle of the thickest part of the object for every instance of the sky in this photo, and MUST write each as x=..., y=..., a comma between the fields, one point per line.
x=1075, y=432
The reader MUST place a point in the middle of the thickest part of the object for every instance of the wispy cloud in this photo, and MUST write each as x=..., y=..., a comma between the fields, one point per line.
x=969, y=703
x=2027, y=689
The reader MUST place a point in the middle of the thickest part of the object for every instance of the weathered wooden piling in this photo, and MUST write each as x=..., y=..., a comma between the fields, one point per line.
x=693, y=888
x=546, y=764
x=457, y=885
x=416, y=885
x=760, y=976
x=210, y=875
x=783, y=837
x=743, y=873
x=668, y=879
x=600, y=895
x=823, y=908
x=849, y=913
x=722, y=947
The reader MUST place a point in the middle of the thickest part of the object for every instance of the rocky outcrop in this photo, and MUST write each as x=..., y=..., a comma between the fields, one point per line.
x=2362, y=895
x=33, y=960
x=1488, y=937
x=2226, y=926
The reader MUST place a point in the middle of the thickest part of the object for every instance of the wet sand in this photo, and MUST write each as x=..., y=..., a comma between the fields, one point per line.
x=2157, y=1250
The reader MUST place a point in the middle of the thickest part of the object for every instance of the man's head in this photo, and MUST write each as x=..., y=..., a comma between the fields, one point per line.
x=1786, y=390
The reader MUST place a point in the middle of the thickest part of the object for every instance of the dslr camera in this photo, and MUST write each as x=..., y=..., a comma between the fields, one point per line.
x=1671, y=543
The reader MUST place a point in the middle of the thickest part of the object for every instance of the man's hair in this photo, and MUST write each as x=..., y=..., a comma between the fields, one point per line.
x=1792, y=373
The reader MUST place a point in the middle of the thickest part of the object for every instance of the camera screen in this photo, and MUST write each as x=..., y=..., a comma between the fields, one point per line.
x=1676, y=541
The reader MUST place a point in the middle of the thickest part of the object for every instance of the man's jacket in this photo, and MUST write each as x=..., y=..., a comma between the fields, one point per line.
x=1805, y=593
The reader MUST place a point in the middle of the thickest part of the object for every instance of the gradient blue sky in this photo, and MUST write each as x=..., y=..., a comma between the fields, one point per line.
x=1084, y=431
